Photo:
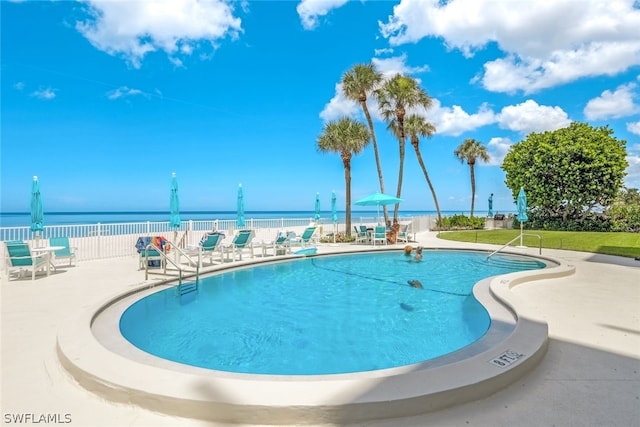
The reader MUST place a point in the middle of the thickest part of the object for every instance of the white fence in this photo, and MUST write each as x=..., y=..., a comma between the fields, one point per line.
x=97, y=241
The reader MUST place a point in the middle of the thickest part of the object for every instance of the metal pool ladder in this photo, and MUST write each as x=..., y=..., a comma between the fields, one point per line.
x=183, y=288
x=516, y=238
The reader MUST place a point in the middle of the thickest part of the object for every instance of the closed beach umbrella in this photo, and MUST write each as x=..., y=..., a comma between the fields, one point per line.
x=174, y=207
x=521, y=203
x=378, y=199
x=37, y=213
x=334, y=215
x=240, y=207
x=316, y=216
x=174, y=203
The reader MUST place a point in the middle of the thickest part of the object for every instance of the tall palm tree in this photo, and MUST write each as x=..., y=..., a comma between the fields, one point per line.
x=396, y=95
x=415, y=127
x=345, y=137
x=470, y=151
x=357, y=84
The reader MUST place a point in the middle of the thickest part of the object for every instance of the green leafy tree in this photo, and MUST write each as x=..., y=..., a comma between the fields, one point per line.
x=395, y=97
x=417, y=126
x=569, y=172
x=470, y=151
x=625, y=211
x=346, y=137
x=357, y=85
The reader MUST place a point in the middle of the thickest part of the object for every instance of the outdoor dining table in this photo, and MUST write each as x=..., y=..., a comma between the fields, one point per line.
x=48, y=250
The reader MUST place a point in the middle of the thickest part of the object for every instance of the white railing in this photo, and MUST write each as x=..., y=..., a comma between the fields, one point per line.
x=114, y=240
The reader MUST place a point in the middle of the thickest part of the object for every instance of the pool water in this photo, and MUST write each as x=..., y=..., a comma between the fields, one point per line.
x=321, y=315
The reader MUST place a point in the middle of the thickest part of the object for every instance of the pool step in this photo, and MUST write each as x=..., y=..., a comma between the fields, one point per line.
x=517, y=263
x=185, y=288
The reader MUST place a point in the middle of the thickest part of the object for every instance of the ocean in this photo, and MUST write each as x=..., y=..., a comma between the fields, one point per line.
x=23, y=219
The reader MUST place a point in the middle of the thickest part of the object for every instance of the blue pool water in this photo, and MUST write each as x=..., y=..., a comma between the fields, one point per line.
x=321, y=315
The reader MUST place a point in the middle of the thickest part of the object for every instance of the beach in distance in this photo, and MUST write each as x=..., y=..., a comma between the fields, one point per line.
x=23, y=219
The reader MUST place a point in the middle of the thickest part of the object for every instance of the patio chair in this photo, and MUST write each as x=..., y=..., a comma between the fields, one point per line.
x=241, y=242
x=20, y=258
x=67, y=252
x=403, y=234
x=379, y=235
x=148, y=252
x=361, y=236
x=307, y=237
x=210, y=245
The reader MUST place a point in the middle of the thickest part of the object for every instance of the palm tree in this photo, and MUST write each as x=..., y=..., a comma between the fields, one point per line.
x=345, y=137
x=357, y=84
x=415, y=127
x=472, y=150
x=396, y=95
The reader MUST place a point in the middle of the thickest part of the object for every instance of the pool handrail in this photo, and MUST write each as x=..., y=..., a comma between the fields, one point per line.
x=519, y=236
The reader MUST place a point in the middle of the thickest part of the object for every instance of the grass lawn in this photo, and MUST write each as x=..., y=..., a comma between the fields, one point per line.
x=621, y=244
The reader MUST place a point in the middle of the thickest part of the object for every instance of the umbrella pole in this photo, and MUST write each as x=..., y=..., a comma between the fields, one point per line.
x=521, y=245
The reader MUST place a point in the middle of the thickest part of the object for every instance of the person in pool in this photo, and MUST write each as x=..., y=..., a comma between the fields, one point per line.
x=418, y=256
x=407, y=250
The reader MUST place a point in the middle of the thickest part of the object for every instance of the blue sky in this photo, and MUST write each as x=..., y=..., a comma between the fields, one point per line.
x=104, y=100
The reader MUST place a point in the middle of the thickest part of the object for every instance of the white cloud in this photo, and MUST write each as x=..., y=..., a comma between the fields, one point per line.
x=634, y=127
x=310, y=10
x=123, y=92
x=455, y=121
x=46, y=94
x=389, y=67
x=383, y=51
x=545, y=43
x=530, y=117
x=497, y=149
x=632, y=180
x=177, y=27
x=619, y=103
x=339, y=106
x=19, y=86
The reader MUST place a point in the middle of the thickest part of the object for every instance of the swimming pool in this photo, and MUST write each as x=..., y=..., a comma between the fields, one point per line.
x=104, y=362
x=322, y=315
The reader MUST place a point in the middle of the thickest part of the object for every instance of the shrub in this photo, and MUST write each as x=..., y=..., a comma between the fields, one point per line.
x=460, y=222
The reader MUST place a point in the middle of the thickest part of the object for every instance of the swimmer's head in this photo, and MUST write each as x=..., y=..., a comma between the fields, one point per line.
x=408, y=249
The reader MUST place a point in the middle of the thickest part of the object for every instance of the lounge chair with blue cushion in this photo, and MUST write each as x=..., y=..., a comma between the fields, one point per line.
x=282, y=244
x=67, y=252
x=241, y=242
x=379, y=235
x=210, y=245
x=307, y=237
x=19, y=258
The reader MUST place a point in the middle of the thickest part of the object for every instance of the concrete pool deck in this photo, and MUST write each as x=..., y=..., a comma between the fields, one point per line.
x=589, y=376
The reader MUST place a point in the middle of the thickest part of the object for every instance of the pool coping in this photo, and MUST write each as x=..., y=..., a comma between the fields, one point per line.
x=340, y=398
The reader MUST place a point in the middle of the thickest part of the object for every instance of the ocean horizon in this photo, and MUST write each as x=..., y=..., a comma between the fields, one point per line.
x=23, y=219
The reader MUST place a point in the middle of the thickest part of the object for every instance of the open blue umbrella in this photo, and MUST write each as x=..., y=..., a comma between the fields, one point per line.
x=378, y=199
x=240, y=208
x=521, y=203
x=37, y=213
x=316, y=216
